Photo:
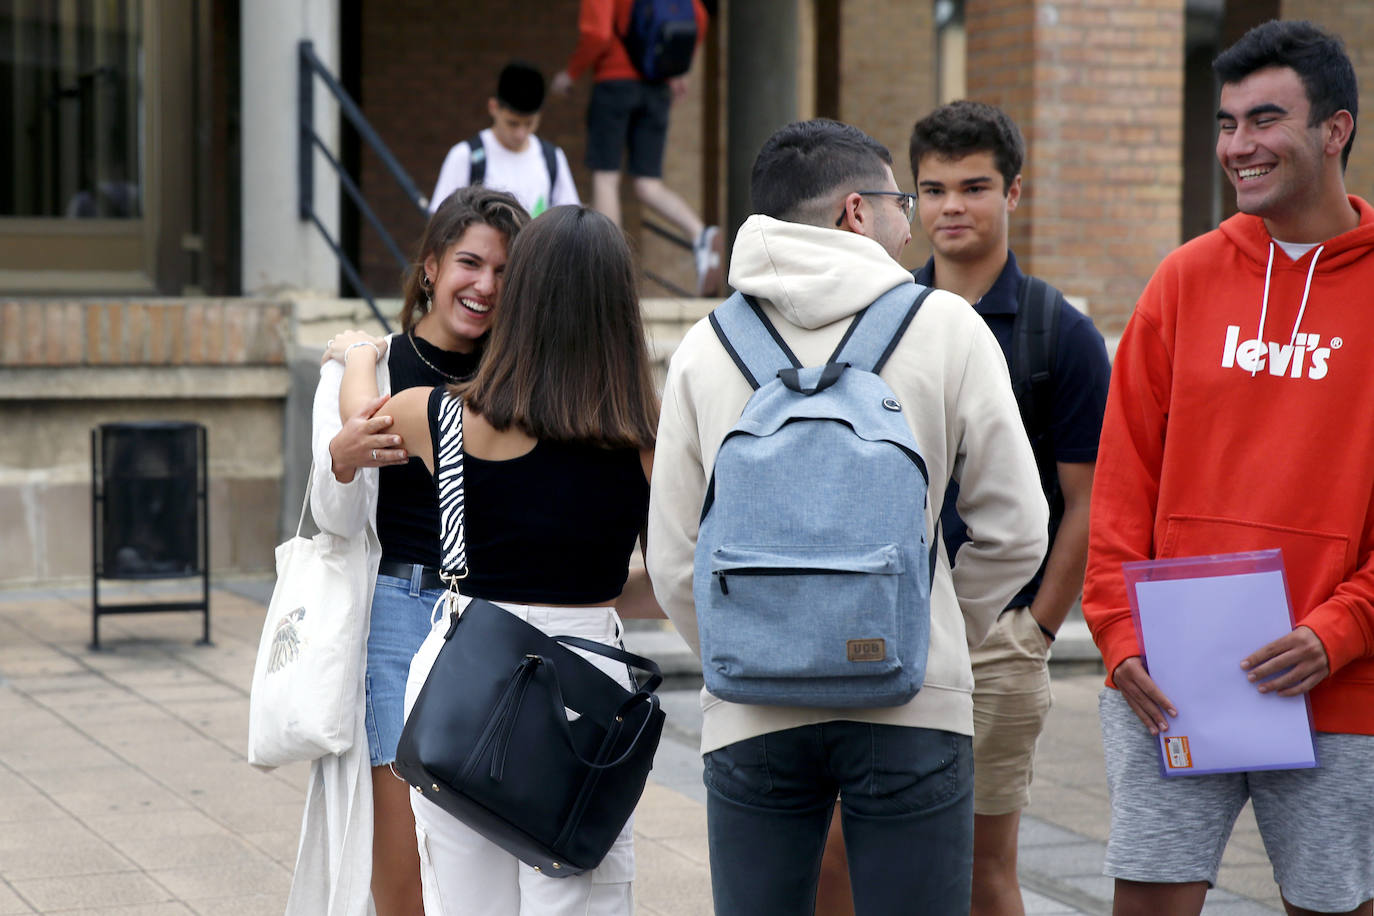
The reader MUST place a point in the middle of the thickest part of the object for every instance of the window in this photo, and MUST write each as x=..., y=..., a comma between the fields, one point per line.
x=73, y=82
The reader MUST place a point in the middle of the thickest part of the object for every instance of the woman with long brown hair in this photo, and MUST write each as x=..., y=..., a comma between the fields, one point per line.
x=558, y=429
x=452, y=298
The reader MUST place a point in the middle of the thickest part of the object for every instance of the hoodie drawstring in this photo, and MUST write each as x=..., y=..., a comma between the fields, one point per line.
x=1302, y=308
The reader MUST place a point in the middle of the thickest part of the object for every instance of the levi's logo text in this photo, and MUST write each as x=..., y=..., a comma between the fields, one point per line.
x=1305, y=357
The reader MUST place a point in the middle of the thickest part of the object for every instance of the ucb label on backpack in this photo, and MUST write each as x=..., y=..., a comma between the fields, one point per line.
x=661, y=38
x=812, y=573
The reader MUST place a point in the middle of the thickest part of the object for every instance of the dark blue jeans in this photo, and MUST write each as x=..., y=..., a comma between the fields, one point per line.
x=906, y=807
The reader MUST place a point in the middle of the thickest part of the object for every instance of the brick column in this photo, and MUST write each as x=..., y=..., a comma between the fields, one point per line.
x=1354, y=23
x=1097, y=88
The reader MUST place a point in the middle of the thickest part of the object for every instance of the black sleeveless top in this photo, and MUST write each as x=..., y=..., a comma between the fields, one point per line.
x=555, y=525
x=407, y=514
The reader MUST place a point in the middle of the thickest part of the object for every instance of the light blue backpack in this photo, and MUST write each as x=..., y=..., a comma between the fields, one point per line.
x=812, y=575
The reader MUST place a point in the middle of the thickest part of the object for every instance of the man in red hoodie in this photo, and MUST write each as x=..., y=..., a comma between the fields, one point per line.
x=1240, y=418
x=629, y=111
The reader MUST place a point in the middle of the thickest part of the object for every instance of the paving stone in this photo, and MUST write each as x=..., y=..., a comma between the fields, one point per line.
x=139, y=909
x=1083, y=858
x=10, y=903
x=38, y=859
x=253, y=905
x=71, y=892
x=186, y=822
x=670, y=882
x=153, y=853
x=209, y=882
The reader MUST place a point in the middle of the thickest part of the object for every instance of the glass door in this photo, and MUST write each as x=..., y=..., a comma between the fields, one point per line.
x=75, y=195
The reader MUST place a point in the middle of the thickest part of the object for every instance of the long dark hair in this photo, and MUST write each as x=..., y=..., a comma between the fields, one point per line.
x=473, y=205
x=567, y=359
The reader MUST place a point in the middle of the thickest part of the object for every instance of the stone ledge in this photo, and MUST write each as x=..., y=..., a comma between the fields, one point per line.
x=44, y=383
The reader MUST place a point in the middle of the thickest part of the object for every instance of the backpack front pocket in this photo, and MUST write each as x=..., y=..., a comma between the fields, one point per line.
x=801, y=611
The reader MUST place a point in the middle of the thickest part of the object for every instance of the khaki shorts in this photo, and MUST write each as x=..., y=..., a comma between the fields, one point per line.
x=1011, y=698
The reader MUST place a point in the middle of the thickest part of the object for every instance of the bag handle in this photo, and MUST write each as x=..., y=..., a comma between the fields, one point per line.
x=305, y=501
x=512, y=698
x=618, y=655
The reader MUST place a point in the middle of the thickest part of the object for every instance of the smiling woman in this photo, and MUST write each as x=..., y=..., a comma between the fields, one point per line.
x=452, y=294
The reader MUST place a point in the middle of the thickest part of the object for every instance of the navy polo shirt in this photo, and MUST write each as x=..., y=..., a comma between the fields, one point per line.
x=1078, y=395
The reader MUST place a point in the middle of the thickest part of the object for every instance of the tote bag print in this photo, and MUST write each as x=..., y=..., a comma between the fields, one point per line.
x=307, y=681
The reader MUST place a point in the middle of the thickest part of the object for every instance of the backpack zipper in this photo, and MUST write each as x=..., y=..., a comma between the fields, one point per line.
x=780, y=571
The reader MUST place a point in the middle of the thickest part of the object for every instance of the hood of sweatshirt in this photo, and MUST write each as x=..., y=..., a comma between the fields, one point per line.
x=812, y=275
x=1249, y=234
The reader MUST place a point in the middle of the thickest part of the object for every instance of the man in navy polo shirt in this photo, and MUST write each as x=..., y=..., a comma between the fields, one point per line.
x=966, y=158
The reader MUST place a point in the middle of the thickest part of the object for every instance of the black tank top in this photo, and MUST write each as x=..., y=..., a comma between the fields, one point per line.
x=553, y=526
x=407, y=513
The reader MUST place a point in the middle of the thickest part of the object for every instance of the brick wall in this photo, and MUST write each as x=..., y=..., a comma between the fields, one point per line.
x=428, y=69
x=1097, y=88
x=210, y=332
x=1354, y=23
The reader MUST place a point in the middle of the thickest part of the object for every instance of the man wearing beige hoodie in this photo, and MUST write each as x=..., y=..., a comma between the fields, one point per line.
x=822, y=245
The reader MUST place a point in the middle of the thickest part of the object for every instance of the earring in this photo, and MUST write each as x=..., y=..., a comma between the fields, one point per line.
x=427, y=285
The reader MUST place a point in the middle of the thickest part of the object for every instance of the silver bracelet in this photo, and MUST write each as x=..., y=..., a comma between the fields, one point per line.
x=362, y=343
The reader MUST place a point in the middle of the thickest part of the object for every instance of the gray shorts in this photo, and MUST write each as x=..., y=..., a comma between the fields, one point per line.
x=1317, y=824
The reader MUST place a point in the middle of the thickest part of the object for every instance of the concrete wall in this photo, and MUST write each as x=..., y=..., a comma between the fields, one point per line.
x=66, y=367
x=280, y=251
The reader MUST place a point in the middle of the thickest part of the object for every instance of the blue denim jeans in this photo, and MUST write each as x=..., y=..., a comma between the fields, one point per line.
x=906, y=808
x=400, y=622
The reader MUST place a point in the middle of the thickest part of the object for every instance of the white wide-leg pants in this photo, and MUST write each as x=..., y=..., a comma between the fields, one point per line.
x=466, y=875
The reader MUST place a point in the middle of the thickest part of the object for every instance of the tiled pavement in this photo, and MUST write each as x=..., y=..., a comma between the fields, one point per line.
x=123, y=788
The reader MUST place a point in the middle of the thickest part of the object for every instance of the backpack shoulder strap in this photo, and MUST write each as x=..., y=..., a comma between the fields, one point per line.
x=477, y=159
x=751, y=340
x=1034, y=339
x=876, y=331
x=448, y=480
x=551, y=162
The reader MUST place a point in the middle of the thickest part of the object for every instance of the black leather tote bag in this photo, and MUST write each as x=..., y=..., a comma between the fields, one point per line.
x=490, y=740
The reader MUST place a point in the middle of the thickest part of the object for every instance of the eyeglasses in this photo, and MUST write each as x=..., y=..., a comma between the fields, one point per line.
x=905, y=202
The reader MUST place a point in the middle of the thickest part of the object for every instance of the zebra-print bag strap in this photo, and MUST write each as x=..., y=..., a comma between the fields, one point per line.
x=448, y=475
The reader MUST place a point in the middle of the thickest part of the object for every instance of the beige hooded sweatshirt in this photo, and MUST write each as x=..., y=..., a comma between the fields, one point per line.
x=951, y=377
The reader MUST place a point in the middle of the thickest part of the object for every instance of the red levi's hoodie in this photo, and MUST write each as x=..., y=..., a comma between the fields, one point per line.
x=1266, y=391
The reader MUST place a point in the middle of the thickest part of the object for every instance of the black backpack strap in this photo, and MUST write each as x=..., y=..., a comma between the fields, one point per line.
x=477, y=160
x=1035, y=341
x=756, y=347
x=551, y=162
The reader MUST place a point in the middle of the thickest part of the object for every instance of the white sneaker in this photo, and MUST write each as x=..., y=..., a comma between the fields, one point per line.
x=708, y=252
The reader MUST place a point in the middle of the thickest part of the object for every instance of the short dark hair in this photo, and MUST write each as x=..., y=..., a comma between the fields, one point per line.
x=1317, y=56
x=520, y=87
x=960, y=128
x=804, y=163
x=465, y=207
x=566, y=358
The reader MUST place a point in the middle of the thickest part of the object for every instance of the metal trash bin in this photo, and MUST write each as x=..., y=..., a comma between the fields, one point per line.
x=150, y=514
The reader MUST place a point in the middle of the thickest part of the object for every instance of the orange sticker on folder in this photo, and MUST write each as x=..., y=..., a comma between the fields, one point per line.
x=1176, y=747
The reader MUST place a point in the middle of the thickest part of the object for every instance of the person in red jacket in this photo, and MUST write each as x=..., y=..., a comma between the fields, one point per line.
x=629, y=111
x=1240, y=417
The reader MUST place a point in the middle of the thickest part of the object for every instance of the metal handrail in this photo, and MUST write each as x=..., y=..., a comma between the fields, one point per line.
x=310, y=67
